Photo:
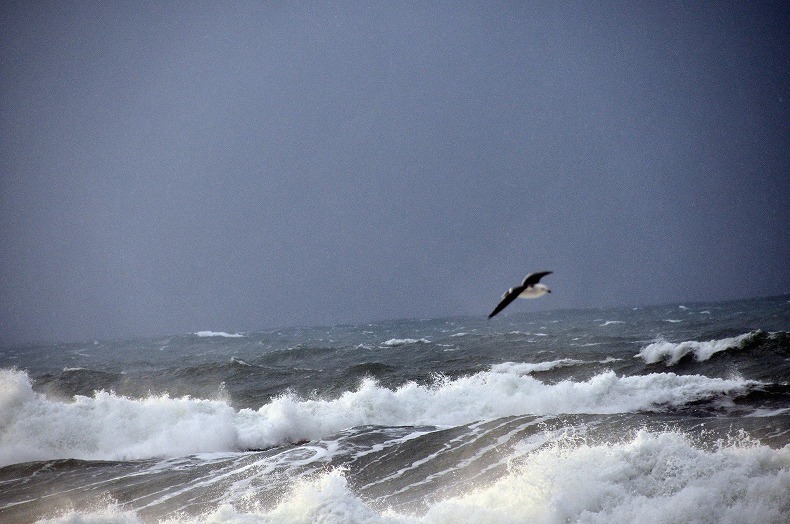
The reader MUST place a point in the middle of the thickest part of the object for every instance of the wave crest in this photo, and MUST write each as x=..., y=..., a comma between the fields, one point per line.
x=204, y=334
x=525, y=368
x=405, y=341
x=672, y=352
x=107, y=426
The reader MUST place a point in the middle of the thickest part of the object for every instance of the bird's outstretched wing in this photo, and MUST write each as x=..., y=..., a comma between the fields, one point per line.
x=509, y=296
x=534, y=278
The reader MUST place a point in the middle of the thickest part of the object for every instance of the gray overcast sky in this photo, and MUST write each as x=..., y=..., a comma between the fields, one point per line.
x=169, y=167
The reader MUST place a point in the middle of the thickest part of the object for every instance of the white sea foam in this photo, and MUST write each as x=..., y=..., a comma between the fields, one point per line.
x=484, y=395
x=107, y=426
x=218, y=334
x=655, y=477
x=672, y=352
x=525, y=368
x=112, y=427
x=405, y=341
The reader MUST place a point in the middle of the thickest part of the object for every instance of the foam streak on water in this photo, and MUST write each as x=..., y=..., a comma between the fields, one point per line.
x=654, y=476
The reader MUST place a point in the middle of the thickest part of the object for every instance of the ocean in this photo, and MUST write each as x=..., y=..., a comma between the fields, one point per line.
x=672, y=413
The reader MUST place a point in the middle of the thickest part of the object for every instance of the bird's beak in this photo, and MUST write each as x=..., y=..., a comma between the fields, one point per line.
x=548, y=291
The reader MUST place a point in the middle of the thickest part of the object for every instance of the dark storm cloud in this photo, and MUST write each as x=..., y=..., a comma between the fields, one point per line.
x=170, y=167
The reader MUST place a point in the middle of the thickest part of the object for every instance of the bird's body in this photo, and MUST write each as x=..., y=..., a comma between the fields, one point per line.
x=529, y=288
x=534, y=291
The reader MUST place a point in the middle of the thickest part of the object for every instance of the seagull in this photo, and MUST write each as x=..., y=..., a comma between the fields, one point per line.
x=528, y=289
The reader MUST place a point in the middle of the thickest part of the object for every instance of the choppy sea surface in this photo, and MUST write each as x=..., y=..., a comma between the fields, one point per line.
x=675, y=413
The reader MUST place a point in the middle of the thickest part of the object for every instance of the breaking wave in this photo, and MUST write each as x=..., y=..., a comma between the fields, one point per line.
x=218, y=334
x=107, y=426
x=671, y=353
x=655, y=477
x=525, y=368
x=405, y=341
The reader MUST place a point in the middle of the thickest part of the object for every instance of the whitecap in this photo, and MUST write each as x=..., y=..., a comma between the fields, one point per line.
x=405, y=341
x=524, y=368
x=240, y=362
x=218, y=334
x=672, y=352
x=107, y=426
